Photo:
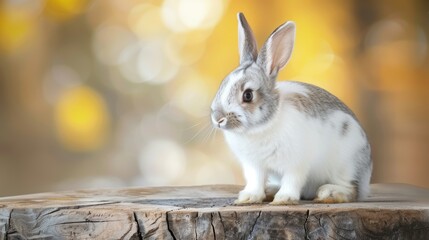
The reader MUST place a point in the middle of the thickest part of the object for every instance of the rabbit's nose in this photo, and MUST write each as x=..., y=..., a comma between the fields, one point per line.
x=221, y=122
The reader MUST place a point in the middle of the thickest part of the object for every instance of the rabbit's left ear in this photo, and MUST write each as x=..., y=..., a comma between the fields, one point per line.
x=277, y=49
x=246, y=40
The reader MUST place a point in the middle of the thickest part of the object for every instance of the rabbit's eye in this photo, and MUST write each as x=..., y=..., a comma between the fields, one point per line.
x=248, y=95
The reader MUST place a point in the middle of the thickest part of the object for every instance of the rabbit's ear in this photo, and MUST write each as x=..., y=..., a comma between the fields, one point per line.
x=246, y=41
x=277, y=49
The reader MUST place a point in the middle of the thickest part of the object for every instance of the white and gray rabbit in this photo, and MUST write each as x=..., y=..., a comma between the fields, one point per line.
x=289, y=136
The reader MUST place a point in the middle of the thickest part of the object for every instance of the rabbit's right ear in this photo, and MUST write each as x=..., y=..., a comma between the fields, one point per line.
x=246, y=41
x=277, y=49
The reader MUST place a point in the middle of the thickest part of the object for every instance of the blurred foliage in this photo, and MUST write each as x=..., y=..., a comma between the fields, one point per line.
x=107, y=93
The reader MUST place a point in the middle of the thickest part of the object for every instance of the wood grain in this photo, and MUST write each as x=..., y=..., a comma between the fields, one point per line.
x=207, y=212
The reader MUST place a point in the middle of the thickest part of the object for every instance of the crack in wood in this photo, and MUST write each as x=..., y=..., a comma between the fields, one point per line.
x=195, y=228
x=187, y=202
x=139, y=233
x=86, y=221
x=305, y=225
x=50, y=212
x=156, y=220
x=7, y=227
x=168, y=225
x=254, y=224
x=126, y=233
x=90, y=205
x=221, y=222
x=213, y=228
x=151, y=232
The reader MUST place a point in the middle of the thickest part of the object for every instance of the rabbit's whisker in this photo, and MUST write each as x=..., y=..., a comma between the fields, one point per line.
x=199, y=132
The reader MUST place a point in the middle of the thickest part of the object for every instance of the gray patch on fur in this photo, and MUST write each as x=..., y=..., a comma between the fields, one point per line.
x=317, y=103
x=269, y=109
x=345, y=128
x=355, y=184
x=364, y=165
x=362, y=133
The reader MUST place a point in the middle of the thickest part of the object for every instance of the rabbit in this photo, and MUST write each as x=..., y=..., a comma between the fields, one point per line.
x=292, y=139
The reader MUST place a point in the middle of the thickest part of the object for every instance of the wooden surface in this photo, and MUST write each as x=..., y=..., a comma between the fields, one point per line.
x=207, y=212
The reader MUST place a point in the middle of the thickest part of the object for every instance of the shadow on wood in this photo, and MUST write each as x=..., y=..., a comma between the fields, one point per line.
x=207, y=212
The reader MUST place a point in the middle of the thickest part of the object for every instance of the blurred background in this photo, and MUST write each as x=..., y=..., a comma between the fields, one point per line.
x=116, y=93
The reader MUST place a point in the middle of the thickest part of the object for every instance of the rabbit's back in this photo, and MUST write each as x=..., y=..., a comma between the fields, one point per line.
x=312, y=100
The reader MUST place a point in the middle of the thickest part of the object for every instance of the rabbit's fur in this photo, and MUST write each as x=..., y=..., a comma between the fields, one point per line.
x=294, y=140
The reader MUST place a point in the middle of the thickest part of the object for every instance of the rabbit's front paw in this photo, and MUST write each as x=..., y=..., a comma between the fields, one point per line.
x=247, y=197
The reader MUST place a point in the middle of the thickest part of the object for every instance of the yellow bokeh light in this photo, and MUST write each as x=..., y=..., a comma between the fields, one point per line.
x=141, y=15
x=64, y=9
x=186, y=15
x=81, y=118
x=186, y=49
x=15, y=28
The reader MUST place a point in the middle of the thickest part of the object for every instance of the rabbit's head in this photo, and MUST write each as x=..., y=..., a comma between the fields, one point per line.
x=247, y=98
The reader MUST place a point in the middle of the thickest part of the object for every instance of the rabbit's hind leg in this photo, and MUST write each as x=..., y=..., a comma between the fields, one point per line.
x=331, y=193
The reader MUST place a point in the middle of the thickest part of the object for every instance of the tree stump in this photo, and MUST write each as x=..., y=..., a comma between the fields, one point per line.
x=208, y=212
